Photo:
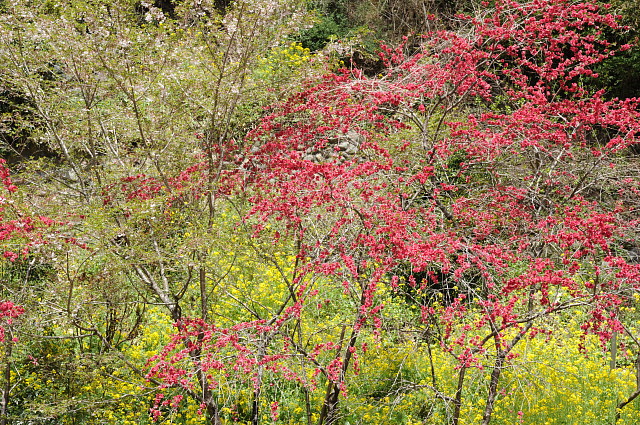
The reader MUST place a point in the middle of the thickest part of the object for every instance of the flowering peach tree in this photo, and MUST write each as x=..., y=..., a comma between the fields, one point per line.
x=477, y=171
x=17, y=233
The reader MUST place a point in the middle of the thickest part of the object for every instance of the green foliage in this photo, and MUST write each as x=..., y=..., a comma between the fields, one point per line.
x=331, y=23
x=620, y=74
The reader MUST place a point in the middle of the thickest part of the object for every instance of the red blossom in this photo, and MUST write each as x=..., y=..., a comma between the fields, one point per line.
x=377, y=175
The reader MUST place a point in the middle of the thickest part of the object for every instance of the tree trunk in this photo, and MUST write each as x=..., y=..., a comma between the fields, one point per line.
x=634, y=395
x=501, y=356
x=328, y=414
x=257, y=391
x=493, y=386
x=458, y=400
x=6, y=387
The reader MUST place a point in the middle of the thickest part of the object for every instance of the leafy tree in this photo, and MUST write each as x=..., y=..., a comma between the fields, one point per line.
x=481, y=159
x=128, y=96
x=620, y=73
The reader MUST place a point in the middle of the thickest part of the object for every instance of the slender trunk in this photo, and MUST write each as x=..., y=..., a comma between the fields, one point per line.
x=328, y=394
x=614, y=346
x=305, y=390
x=458, y=400
x=501, y=356
x=434, y=382
x=257, y=389
x=213, y=413
x=205, y=397
x=634, y=395
x=307, y=404
x=614, y=350
x=6, y=388
x=493, y=386
x=332, y=396
x=203, y=293
x=325, y=404
x=332, y=405
x=329, y=410
x=255, y=405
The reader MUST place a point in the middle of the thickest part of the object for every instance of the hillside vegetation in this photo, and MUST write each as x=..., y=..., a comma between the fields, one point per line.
x=319, y=212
